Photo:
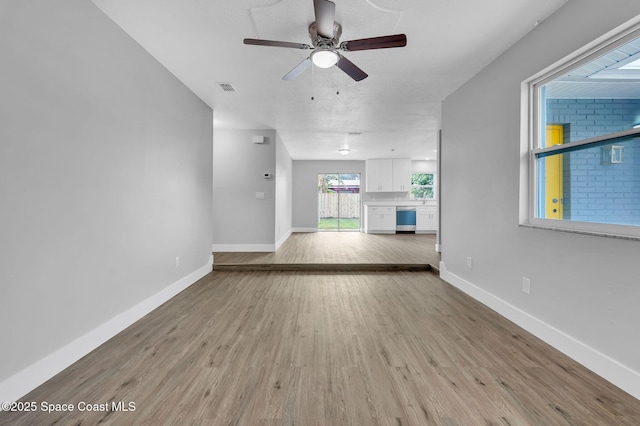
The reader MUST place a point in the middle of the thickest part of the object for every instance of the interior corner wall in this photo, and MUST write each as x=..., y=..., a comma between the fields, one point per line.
x=241, y=220
x=105, y=178
x=584, y=289
x=284, y=195
x=305, y=188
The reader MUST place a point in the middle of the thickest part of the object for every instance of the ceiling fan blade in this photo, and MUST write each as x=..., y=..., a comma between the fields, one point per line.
x=325, y=11
x=258, y=42
x=384, y=42
x=299, y=69
x=351, y=69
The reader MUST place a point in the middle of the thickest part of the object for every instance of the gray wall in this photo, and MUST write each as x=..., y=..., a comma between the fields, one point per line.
x=105, y=176
x=584, y=289
x=239, y=219
x=284, y=194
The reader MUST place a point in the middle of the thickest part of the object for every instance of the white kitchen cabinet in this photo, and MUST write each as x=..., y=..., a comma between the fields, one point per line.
x=388, y=175
x=379, y=175
x=426, y=219
x=379, y=220
x=401, y=175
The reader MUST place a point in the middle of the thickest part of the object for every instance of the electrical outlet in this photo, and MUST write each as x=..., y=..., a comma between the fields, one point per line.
x=177, y=261
x=526, y=285
x=469, y=262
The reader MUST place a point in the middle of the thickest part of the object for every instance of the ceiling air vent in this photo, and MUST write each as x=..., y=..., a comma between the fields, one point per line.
x=227, y=87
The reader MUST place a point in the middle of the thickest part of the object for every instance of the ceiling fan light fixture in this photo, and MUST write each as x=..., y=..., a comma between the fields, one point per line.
x=324, y=58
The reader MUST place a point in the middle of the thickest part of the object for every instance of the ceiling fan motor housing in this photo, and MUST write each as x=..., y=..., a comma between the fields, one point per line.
x=319, y=41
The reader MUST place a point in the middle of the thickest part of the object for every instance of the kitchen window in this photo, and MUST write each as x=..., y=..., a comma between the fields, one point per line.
x=583, y=140
x=422, y=186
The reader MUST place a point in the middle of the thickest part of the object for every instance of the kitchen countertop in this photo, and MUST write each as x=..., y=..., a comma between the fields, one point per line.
x=416, y=203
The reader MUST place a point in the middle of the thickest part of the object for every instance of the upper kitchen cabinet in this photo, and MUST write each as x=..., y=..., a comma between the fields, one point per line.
x=388, y=175
x=379, y=175
x=401, y=174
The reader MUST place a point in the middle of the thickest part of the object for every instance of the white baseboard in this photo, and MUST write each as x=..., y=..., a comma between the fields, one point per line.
x=282, y=240
x=243, y=247
x=608, y=368
x=36, y=374
x=304, y=230
x=234, y=248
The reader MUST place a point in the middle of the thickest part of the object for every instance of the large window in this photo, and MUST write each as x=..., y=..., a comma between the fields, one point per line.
x=583, y=140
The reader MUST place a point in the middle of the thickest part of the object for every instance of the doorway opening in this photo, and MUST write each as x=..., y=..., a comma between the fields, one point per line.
x=339, y=202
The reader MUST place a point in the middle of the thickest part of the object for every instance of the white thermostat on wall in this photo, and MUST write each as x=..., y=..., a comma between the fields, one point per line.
x=268, y=175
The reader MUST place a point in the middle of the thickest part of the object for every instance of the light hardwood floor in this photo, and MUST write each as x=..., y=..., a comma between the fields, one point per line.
x=301, y=348
x=347, y=250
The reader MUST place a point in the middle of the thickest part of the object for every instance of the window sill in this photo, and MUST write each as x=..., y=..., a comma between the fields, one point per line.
x=622, y=232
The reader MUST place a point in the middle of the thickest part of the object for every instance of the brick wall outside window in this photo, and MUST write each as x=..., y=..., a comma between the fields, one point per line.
x=593, y=190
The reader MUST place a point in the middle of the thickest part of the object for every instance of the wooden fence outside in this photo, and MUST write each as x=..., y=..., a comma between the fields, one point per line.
x=328, y=205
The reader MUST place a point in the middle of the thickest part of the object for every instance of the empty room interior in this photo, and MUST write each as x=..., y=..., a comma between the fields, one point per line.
x=320, y=212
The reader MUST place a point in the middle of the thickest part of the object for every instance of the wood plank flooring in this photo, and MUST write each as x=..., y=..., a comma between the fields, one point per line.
x=282, y=348
x=344, y=251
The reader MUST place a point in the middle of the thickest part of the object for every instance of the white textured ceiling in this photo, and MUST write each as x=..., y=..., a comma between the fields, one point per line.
x=395, y=112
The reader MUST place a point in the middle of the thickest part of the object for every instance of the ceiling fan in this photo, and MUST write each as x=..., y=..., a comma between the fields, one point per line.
x=325, y=37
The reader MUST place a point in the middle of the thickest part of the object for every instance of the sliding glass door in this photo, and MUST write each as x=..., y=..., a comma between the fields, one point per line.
x=339, y=202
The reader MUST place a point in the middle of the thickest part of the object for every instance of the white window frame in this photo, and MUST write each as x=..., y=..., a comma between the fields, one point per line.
x=531, y=130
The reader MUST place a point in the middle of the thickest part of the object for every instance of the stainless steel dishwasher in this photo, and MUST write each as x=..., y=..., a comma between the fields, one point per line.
x=405, y=218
